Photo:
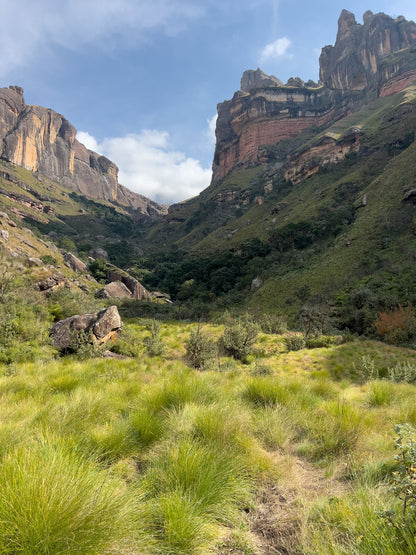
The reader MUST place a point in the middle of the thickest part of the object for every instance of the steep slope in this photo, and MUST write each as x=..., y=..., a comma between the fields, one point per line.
x=325, y=209
x=269, y=127
x=43, y=141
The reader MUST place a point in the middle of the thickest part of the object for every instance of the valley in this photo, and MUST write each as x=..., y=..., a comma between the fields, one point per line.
x=234, y=373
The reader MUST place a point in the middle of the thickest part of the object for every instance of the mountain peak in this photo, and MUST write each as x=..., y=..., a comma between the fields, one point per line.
x=345, y=22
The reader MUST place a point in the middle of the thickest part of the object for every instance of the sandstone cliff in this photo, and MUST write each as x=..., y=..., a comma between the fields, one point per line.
x=375, y=58
x=41, y=140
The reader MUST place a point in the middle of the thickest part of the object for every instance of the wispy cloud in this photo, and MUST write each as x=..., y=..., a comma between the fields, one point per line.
x=151, y=166
x=276, y=50
x=33, y=29
x=210, y=132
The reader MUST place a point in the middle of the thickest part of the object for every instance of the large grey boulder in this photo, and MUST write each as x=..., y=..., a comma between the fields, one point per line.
x=101, y=326
x=73, y=262
x=115, y=290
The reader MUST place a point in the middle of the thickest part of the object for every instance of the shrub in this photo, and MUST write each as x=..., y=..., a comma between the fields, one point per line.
x=153, y=343
x=295, y=342
x=127, y=343
x=323, y=341
x=397, y=326
x=313, y=319
x=272, y=323
x=239, y=337
x=200, y=350
x=404, y=478
x=84, y=345
x=64, y=303
x=98, y=269
x=366, y=370
x=402, y=372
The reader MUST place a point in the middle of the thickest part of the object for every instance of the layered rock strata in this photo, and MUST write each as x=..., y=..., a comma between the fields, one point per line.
x=377, y=58
x=41, y=140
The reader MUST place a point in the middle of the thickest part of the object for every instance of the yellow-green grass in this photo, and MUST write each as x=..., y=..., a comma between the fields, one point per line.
x=185, y=451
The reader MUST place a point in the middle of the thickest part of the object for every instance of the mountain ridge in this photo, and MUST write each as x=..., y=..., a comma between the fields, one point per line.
x=43, y=141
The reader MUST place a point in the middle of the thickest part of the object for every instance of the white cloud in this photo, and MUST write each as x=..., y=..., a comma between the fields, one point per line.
x=149, y=165
x=32, y=30
x=212, y=123
x=276, y=50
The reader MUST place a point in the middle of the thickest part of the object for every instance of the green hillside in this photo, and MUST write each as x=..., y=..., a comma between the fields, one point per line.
x=346, y=228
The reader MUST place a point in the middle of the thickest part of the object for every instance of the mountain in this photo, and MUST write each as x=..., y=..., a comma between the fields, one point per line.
x=313, y=183
x=44, y=142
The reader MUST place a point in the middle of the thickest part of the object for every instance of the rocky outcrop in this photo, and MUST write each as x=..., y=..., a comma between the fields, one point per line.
x=98, y=327
x=363, y=55
x=41, y=140
x=326, y=151
x=375, y=58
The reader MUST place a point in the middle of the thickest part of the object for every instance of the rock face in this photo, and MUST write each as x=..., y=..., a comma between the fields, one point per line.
x=41, y=140
x=102, y=326
x=362, y=57
x=376, y=58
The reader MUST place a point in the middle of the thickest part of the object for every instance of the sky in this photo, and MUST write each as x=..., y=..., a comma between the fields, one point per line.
x=140, y=79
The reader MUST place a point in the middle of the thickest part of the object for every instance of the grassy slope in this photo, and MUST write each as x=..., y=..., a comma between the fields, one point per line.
x=176, y=455
x=74, y=216
x=379, y=239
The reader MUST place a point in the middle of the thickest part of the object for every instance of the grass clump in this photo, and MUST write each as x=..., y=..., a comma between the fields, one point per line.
x=192, y=490
x=54, y=500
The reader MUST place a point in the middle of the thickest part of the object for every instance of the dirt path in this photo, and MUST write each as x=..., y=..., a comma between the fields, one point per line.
x=276, y=524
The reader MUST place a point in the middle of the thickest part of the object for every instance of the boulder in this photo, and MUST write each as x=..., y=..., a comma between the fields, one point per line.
x=73, y=262
x=52, y=282
x=33, y=261
x=115, y=290
x=98, y=253
x=102, y=325
x=135, y=287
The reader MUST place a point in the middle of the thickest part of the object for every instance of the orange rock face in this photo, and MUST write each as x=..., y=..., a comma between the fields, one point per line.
x=259, y=133
x=41, y=140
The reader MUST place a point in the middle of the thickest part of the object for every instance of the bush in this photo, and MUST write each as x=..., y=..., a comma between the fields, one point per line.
x=98, y=269
x=153, y=343
x=323, y=341
x=295, y=342
x=402, y=372
x=84, y=345
x=239, y=337
x=200, y=350
x=313, y=319
x=397, y=326
x=127, y=343
x=272, y=323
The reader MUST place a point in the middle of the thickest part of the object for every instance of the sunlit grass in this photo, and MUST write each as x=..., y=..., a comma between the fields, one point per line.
x=189, y=449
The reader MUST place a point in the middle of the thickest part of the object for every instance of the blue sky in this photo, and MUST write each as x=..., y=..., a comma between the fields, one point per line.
x=140, y=79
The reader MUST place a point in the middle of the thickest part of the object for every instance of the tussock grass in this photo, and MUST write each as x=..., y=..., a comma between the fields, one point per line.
x=54, y=500
x=177, y=454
